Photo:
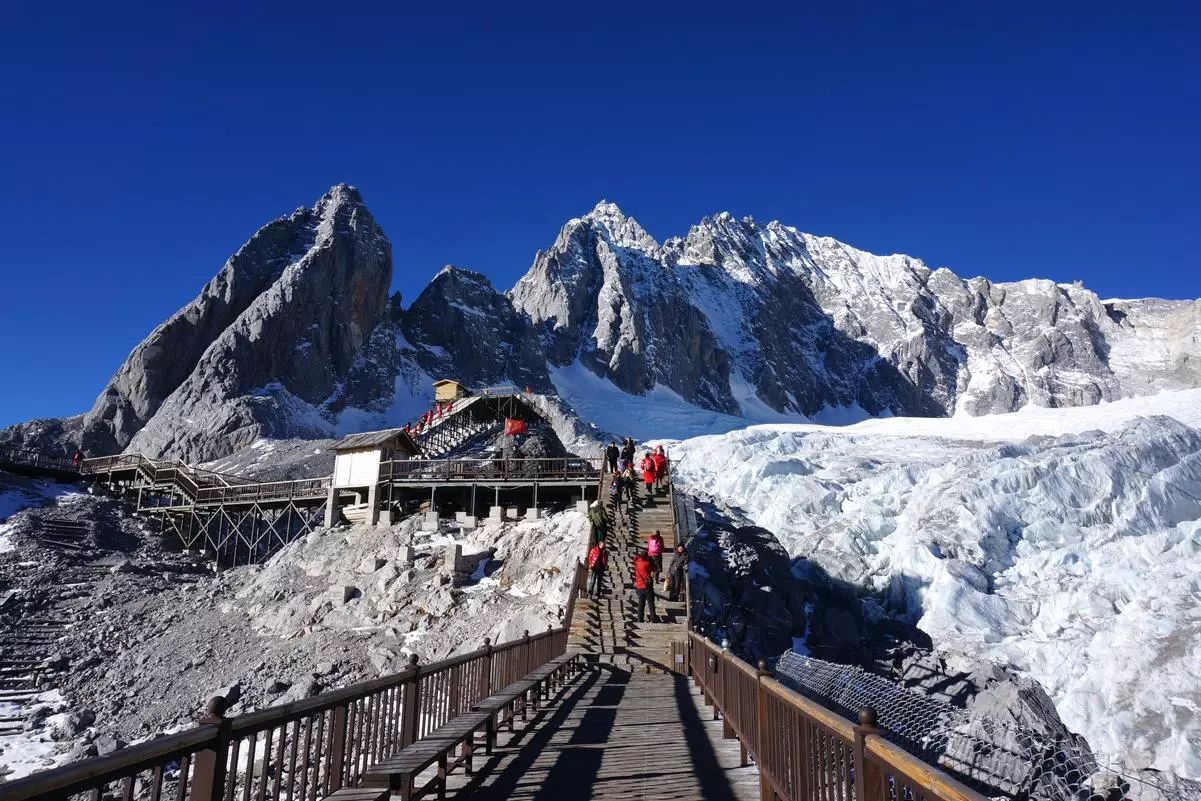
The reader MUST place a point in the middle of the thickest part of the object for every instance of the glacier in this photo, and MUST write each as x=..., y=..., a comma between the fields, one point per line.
x=1065, y=543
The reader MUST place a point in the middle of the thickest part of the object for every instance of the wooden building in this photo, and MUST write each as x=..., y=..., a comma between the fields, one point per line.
x=448, y=389
x=357, y=461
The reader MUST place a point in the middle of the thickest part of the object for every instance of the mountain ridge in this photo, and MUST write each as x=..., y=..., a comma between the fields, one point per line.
x=298, y=335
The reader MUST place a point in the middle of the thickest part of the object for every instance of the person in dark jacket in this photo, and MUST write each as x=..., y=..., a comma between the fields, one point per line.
x=627, y=450
x=611, y=454
x=598, y=520
x=598, y=560
x=629, y=483
x=676, y=572
x=644, y=585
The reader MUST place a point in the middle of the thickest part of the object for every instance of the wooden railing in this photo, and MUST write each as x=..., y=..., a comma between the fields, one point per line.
x=804, y=751
x=422, y=471
x=24, y=457
x=162, y=470
x=302, y=750
x=295, y=489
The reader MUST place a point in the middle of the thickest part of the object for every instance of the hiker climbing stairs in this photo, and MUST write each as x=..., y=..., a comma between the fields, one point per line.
x=606, y=629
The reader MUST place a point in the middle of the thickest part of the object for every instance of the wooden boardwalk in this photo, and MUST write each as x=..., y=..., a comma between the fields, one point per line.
x=615, y=734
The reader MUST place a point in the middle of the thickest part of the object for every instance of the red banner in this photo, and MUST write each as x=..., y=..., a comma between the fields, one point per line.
x=513, y=427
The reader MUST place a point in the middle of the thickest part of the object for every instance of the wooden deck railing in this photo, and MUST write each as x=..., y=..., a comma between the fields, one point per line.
x=804, y=751
x=426, y=470
x=23, y=457
x=302, y=750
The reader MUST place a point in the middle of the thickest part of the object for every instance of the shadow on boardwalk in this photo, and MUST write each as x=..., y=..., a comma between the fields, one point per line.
x=616, y=735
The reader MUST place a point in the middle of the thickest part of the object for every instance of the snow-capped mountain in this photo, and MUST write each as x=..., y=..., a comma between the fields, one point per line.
x=738, y=314
x=297, y=336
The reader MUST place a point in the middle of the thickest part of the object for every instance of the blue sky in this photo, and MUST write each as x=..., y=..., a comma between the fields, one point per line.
x=142, y=145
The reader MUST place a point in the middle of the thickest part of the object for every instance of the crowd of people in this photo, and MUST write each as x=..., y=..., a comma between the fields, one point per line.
x=651, y=472
x=624, y=494
x=437, y=412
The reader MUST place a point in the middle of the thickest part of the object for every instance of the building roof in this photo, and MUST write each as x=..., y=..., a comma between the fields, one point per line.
x=371, y=439
x=448, y=381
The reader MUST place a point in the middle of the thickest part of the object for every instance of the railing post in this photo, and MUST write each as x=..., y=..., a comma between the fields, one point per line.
x=867, y=725
x=485, y=688
x=525, y=650
x=727, y=730
x=409, y=726
x=337, y=749
x=208, y=765
x=762, y=739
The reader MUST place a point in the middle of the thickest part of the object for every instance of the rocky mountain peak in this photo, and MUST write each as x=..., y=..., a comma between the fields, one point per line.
x=284, y=319
x=617, y=227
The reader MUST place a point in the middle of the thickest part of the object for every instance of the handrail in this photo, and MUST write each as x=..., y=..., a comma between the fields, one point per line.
x=31, y=458
x=806, y=751
x=494, y=469
x=328, y=740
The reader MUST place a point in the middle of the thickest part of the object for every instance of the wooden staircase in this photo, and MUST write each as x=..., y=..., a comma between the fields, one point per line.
x=607, y=629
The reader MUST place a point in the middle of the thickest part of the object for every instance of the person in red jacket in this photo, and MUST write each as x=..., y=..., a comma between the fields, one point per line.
x=598, y=560
x=660, y=459
x=644, y=585
x=648, y=473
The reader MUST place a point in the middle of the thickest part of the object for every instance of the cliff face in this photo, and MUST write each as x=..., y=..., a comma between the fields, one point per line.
x=739, y=311
x=473, y=333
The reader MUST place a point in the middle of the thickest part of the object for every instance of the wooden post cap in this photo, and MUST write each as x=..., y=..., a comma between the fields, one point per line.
x=867, y=716
x=215, y=709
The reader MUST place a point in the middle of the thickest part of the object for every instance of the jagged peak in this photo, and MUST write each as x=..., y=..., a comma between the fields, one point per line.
x=623, y=230
x=456, y=273
x=338, y=196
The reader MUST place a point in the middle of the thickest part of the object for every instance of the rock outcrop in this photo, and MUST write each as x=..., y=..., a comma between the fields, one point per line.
x=461, y=326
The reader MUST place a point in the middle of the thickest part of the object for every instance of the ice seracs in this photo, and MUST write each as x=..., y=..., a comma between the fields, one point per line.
x=1065, y=543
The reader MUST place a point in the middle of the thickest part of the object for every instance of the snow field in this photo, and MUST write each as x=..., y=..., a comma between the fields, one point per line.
x=1066, y=543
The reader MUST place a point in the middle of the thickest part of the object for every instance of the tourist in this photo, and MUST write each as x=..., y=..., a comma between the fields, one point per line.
x=660, y=466
x=596, y=516
x=644, y=586
x=627, y=450
x=598, y=560
x=648, y=474
x=617, y=491
x=654, y=549
x=77, y=458
x=611, y=454
x=676, y=572
x=629, y=480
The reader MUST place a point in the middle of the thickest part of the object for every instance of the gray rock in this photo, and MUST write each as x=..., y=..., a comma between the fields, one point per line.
x=82, y=751
x=277, y=686
x=106, y=744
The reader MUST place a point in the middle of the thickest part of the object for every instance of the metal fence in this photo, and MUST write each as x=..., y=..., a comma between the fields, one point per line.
x=300, y=751
x=996, y=757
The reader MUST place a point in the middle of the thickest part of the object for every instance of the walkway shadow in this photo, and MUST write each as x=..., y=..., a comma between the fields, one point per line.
x=715, y=785
x=575, y=769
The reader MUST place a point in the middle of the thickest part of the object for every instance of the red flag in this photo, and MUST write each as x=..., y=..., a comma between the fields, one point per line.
x=513, y=427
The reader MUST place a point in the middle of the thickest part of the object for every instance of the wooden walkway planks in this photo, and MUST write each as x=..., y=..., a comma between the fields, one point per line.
x=615, y=735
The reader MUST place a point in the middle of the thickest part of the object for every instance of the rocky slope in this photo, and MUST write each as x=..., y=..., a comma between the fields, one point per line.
x=151, y=633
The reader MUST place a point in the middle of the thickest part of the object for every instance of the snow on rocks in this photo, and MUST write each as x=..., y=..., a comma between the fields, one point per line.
x=1073, y=558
